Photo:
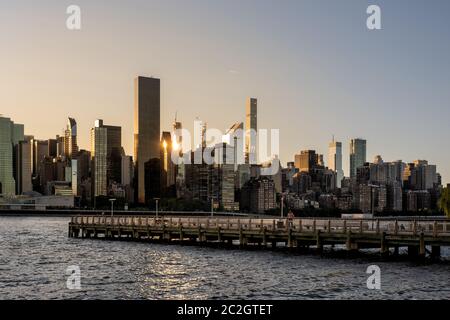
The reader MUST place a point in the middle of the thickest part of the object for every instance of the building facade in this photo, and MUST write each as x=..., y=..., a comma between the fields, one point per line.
x=251, y=128
x=146, y=131
x=358, y=154
x=335, y=160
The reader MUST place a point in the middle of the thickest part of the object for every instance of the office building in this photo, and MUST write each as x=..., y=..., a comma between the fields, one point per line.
x=146, y=132
x=306, y=160
x=114, y=153
x=70, y=139
x=99, y=159
x=335, y=160
x=168, y=169
x=357, y=155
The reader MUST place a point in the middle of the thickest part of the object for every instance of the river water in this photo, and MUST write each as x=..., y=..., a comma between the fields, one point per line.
x=35, y=253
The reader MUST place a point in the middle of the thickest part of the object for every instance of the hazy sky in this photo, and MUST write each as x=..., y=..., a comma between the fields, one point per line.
x=313, y=65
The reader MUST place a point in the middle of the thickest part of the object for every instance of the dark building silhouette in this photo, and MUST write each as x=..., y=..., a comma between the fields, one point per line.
x=152, y=180
x=146, y=133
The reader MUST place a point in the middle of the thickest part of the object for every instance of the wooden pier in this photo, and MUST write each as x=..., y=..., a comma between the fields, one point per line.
x=419, y=236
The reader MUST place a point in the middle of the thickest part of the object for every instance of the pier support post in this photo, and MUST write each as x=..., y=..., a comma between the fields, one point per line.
x=435, y=252
x=242, y=239
x=384, y=248
x=319, y=243
x=265, y=237
x=413, y=251
x=422, y=245
x=290, y=242
x=219, y=235
x=396, y=251
x=348, y=242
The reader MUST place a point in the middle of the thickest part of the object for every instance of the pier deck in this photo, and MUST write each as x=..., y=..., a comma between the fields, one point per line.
x=354, y=234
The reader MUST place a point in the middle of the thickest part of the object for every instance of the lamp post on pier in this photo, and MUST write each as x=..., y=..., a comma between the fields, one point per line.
x=112, y=206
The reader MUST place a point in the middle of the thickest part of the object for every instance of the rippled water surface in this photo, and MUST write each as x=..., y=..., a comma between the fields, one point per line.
x=35, y=252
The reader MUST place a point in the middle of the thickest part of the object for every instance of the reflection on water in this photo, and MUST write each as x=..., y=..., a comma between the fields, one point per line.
x=35, y=253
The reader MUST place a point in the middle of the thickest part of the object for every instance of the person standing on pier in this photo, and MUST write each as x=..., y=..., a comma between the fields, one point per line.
x=290, y=217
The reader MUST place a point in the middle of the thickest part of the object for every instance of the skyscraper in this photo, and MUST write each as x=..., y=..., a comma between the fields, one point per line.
x=357, y=155
x=107, y=156
x=99, y=147
x=24, y=166
x=306, y=160
x=146, y=130
x=17, y=137
x=7, y=183
x=114, y=153
x=167, y=165
x=335, y=160
x=70, y=139
x=39, y=152
x=52, y=148
x=177, y=145
x=251, y=127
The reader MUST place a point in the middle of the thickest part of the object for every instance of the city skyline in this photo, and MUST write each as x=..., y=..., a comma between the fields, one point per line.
x=72, y=125
x=350, y=86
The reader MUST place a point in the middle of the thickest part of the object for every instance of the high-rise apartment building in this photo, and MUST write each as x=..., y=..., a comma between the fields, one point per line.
x=258, y=195
x=99, y=159
x=251, y=127
x=24, y=166
x=106, y=153
x=420, y=175
x=335, y=160
x=357, y=155
x=7, y=182
x=223, y=178
x=146, y=131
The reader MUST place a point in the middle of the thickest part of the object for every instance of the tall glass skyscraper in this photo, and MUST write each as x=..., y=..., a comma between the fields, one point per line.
x=357, y=155
x=335, y=160
x=146, y=131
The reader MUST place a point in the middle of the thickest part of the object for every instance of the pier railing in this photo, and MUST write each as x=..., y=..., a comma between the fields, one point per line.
x=373, y=226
